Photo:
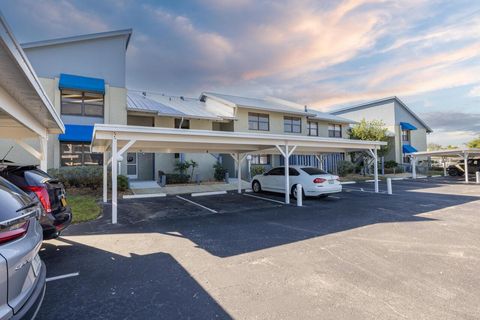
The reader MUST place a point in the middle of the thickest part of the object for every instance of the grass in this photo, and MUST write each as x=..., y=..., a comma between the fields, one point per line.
x=84, y=207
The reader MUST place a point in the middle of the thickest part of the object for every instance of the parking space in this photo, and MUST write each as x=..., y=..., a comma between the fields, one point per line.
x=350, y=256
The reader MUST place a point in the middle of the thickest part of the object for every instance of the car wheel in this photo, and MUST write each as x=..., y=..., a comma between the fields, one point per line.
x=295, y=193
x=323, y=196
x=256, y=187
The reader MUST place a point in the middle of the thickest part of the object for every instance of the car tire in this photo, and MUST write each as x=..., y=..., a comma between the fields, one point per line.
x=294, y=192
x=323, y=196
x=256, y=186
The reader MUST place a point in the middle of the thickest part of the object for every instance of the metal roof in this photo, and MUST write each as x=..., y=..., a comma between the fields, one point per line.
x=169, y=106
x=109, y=34
x=368, y=104
x=447, y=152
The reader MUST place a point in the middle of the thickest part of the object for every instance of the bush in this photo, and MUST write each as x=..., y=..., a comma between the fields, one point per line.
x=122, y=183
x=220, y=171
x=175, y=178
x=390, y=164
x=345, y=167
x=256, y=170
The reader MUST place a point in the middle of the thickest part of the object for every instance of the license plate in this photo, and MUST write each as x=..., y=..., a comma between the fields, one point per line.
x=64, y=202
x=36, y=265
x=331, y=181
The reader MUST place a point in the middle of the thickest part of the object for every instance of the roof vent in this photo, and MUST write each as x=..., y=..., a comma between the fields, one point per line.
x=144, y=93
x=306, y=108
x=182, y=98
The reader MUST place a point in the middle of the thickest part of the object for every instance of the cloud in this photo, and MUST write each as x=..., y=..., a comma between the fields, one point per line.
x=474, y=92
x=453, y=121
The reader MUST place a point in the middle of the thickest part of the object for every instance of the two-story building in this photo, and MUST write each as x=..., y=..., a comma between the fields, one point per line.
x=84, y=78
x=407, y=130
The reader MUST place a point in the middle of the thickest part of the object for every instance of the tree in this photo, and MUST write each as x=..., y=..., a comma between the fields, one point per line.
x=373, y=130
x=475, y=143
x=193, y=165
x=434, y=147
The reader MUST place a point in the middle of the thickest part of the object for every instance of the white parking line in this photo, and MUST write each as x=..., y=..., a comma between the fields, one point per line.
x=197, y=204
x=68, y=275
x=210, y=193
x=141, y=196
x=267, y=199
x=363, y=190
x=348, y=182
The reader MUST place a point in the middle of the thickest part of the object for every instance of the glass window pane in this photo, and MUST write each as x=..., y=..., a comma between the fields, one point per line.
x=253, y=125
x=263, y=126
x=93, y=110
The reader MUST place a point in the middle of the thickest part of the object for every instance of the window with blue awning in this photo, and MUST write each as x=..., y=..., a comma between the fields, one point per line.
x=407, y=126
x=70, y=81
x=408, y=149
x=77, y=133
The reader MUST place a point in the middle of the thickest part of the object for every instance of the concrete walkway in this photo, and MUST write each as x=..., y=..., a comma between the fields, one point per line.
x=151, y=187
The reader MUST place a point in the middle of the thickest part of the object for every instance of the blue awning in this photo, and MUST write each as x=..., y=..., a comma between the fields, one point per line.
x=408, y=149
x=70, y=81
x=407, y=126
x=76, y=133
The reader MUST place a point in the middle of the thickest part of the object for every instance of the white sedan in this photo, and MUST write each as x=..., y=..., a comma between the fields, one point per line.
x=314, y=181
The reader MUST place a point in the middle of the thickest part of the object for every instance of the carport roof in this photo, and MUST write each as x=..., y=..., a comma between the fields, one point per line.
x=25, y=108
x=167, y=140
x=447, y=153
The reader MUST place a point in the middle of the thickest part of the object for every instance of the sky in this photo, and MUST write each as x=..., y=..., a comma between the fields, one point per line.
x=325, y=54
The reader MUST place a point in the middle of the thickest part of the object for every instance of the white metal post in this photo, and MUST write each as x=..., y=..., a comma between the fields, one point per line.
x=299, y=195
x=414, y=167
x=114, y=179
x=375, y=168
x=465, y=161
x=444, y=166
x=477, y=176
x=105, y=176
x=43, y=154
x=389, y=185
x=239, y=177
x=287, y=176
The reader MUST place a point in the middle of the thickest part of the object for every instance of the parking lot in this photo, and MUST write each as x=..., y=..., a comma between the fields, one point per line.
x=355, y=255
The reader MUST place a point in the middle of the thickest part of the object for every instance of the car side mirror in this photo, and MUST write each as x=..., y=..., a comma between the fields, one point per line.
x=265, y=174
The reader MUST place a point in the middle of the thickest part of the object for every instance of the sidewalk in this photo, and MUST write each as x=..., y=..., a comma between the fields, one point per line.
x=151, y=187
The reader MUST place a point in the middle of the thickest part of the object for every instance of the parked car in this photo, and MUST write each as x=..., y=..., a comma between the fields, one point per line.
x=314, y=181
x=48, y=190
x=22, y=273
x=458, y=169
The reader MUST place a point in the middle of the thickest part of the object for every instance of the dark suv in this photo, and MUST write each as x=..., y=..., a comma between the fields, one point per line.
x=458, y=169
x=48, y=190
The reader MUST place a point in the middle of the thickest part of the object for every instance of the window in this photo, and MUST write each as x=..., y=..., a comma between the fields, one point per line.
x=313, y=128
x=406, y=135
x=78, y=154
x=313, y=171
x=258, y=121
x=335, y=130
x=260, y=159
x=292, y=125
x=280, y=171
x=78, y=103
x=185, y=123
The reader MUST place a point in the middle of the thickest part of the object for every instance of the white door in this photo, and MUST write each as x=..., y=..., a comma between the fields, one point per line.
x=132, y=165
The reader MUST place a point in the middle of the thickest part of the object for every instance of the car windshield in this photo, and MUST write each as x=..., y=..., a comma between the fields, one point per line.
x=11, y=198
x=313, y=171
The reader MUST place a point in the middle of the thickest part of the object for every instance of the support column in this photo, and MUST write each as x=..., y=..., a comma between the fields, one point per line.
x=43, y=153
x=465, y=161
x=239, y=174
x=375, y=168
x=114, y=179
x=105, y=176
x=414, y=167
x=287, y=175
x=444, y=160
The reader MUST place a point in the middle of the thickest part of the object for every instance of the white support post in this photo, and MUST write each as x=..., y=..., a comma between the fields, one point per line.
x=389, y=185
x=465, y=161
x=414, y=167
x=287, y=175
x=105, y=176
x=477, y=177
x=375, y=168
x=114, y=179
x=239, y=175
x=444, y=160
x=43, y=153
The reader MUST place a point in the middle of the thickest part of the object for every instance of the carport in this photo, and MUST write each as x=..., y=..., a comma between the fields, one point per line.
x=26, y=113
x=118, y=139
x=444, y=154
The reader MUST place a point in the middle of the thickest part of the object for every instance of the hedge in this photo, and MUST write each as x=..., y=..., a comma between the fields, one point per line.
x=85, y=177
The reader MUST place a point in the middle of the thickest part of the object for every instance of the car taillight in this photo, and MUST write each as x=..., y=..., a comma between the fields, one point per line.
x=319, y=180
x=13, y=232
x=42, y=195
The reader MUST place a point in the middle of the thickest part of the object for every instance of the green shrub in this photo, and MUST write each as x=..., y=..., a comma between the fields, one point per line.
x=219, y=173
x=391, y=164
x=345, y=167
x=256, y=170
x=174, y=178
x=122, y=183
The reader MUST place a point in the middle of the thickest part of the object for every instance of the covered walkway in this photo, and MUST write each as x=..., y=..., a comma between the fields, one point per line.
x=118, y=139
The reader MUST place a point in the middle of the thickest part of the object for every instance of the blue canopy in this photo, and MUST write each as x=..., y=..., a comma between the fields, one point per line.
x=76, y=133
x=408, y=149
x=70, y=81
x=407, y=126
